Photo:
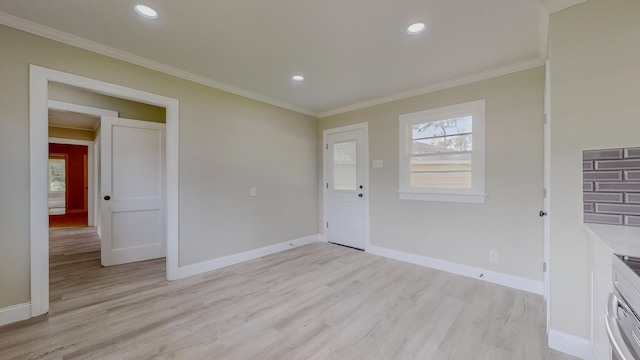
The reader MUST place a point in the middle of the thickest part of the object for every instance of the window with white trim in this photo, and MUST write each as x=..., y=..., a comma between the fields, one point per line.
x=442, y=154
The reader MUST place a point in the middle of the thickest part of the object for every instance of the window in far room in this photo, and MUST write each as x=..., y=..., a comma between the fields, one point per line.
x=442, y=154
x=57, y=184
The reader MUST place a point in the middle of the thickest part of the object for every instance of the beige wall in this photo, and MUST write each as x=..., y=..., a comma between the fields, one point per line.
x=465, y=233
x=64, y=133
x=595, y=89
x=227, y=144
x=125, y=108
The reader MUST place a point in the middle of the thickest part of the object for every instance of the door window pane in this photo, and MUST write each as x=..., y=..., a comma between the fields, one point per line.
x=344, y=165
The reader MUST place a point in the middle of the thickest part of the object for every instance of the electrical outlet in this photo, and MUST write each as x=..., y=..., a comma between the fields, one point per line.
x=493, y=256
x=253, y=191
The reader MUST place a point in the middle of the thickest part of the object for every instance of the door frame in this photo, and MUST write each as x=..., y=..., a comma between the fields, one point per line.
x=547, y=193
x=325, y=171
x=39, y=78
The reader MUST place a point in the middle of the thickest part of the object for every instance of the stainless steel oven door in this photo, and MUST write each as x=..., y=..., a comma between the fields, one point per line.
x=623, y=328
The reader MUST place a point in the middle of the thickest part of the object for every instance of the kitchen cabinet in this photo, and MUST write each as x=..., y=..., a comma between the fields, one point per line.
x=604, y=241
x=601, y=286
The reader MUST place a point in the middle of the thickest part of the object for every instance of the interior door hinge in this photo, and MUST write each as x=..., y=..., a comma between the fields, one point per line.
x=545, y=118
x=544, y=266
x=327, y=224
x=326, y=146
x=544, y=193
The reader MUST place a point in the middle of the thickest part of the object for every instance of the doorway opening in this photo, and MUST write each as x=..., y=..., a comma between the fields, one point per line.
x=68, y=185
x=40, y=78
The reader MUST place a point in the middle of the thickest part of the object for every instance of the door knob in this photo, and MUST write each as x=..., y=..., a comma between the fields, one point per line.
x=107, y=197
x=360, y=195
x=542, y=213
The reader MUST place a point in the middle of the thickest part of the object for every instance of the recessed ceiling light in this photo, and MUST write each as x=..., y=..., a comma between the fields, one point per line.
x=416, y=28
x=297, y=78
x=146, y=11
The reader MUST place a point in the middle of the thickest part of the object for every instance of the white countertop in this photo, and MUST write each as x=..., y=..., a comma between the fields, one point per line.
x=624, y=240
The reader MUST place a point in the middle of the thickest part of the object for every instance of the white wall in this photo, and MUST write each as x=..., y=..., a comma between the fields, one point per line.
x=595, y=92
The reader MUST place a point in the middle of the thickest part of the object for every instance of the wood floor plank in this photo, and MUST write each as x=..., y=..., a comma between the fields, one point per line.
x=318, y=301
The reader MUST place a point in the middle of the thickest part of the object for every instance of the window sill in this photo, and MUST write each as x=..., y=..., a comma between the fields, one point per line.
x=443, y=197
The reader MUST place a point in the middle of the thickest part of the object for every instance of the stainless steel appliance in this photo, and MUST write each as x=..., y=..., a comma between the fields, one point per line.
x=623, y=323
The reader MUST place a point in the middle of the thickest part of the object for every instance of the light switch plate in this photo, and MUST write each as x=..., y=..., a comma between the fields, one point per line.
x=377, y=164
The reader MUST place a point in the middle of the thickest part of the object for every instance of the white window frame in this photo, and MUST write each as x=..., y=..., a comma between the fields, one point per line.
x=476, y=193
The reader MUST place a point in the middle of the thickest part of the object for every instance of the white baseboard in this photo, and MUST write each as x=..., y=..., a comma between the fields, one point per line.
x=572, y=345
x=533, y=286
x=15, y=313
x=209, y=265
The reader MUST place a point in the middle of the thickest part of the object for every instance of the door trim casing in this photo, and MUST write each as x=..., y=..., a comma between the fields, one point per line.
x=325, y=212
x=39, y=78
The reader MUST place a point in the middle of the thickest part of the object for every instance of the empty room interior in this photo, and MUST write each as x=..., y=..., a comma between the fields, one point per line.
x=319, y=180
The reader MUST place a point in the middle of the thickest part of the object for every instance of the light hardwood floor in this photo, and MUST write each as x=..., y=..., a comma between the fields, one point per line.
x=318, y=301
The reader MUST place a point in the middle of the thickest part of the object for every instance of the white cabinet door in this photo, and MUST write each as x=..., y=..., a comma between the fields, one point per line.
x=133, y=190
x=601, y=288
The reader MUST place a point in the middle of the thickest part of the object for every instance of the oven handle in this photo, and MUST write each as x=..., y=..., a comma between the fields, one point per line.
x=613, y=330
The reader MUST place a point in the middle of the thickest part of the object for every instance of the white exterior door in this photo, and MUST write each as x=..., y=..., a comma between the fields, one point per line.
x=345, y=184
x=133, y=190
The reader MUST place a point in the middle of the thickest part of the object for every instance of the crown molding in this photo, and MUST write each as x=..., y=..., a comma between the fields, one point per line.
x=551, y=6
x=525, y=65
x=56, y=35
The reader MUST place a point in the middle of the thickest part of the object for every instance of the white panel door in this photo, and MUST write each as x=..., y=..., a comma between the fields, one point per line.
x=345, y=183
x=133, y=190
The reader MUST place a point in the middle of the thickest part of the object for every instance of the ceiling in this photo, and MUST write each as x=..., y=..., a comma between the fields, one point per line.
x=350, y=52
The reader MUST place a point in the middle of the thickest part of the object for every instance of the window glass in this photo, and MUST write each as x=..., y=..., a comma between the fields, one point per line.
x=442, y=153
x=344, y=165
x=460, y=125
x=57, y=175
